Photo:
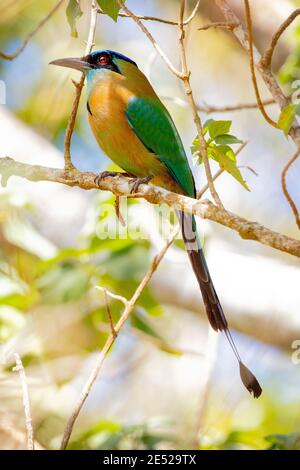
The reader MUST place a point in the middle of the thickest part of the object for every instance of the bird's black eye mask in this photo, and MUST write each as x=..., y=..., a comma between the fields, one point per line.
x=102, y=60
x=105, y=60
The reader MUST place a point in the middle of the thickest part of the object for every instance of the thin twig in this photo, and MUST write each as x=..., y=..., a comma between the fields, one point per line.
x=15, y=435
x=189, y=93
x=241, y=35
x=118, y=211
x=151, y=38
x=29, y=36
x=78, y=89
x=192, y=15
x=203, y=190
x=26, y=402
x=285, y=190
x=159, y=20
x=110, y=341
x=249, y=168
x=144, y=18
x=206, y=108
x=112, y=326
x=266, y=74
x=112, y=295
x=234, y=107
x=121, y=185
x=268, y=55
x=252, y=66
x=269, y=79
x=219, y=24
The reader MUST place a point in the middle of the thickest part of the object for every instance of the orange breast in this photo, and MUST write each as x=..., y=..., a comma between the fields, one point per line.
x=107, y=103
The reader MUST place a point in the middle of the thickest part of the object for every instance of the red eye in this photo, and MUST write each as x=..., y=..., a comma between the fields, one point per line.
x=103, y=60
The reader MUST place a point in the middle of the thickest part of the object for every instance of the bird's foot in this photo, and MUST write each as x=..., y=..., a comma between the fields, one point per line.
x=138, y=181
x=105, y=174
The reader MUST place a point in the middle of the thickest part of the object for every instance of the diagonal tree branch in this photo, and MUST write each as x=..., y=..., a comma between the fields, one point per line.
x=185, y=77
x=32, y=33
x=266, y=74
x=26, y=402
x=285, y=189
x=129, y=306
x=78, y=89
x=268, y=55
x=263, y=65
x=252, y=66
x=207, y=108
x=157, y=19
x=147, y=33
x=218, y=24
x=122, y=186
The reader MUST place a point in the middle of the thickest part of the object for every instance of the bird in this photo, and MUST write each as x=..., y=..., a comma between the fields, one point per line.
x=135, y=130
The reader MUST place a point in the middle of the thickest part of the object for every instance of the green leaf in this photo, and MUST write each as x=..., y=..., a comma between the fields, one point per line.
x=73, y=12
x=227, y=162
x=216, y=128
x=227, y=139
x=287, y=117
x=227, y=151
x=196, y=154
x=195, y=145
x=214, y=150
x=206, y=125
x=110, y=7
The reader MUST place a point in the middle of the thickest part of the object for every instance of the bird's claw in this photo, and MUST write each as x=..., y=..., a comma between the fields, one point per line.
x=104, y=175
x=137, y=182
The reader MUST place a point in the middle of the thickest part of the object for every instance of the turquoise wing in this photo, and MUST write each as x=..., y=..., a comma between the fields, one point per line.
x=153, y=125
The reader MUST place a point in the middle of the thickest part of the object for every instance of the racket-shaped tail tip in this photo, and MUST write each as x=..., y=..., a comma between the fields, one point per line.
x=250, y=381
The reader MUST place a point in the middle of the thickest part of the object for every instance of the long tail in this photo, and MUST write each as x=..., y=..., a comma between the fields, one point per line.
x=211, y=301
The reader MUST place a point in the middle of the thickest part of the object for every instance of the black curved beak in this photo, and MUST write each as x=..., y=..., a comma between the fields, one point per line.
x=78, y=63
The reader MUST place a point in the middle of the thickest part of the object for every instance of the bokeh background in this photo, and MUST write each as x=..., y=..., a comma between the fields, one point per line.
x=169, y=381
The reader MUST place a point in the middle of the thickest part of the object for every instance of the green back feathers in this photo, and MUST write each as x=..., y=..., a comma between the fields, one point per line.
x=153, y=125
x=148, y=118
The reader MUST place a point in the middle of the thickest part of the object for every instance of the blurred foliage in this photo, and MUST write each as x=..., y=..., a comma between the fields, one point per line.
x=113, y=436
x=44, y=99
x=247, y=440
x=12, y=11
x=40, y=280
x=290, y=71
x=284, y=442
x=53, y=288
x=36, y=276
x=273, y=415
x=66, y=275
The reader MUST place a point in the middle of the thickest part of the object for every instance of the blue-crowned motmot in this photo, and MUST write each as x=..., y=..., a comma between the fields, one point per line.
x=135, y=130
